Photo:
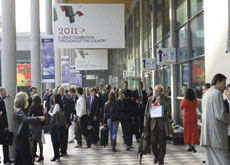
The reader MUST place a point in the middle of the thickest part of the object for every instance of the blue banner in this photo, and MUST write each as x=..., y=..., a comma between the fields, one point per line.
x=48, y=73
x=79, y=80
x=65, y=70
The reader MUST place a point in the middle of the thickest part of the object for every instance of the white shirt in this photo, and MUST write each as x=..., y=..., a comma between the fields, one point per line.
x=229, y=112
x=80, y=106
x=55, y=110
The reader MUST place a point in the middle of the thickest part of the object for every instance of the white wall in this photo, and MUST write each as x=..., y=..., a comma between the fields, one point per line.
x=216, y=27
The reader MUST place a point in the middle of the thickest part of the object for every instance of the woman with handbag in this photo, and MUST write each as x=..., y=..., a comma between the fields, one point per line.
x=22, y=132
x=36, y=109
x=57, y=125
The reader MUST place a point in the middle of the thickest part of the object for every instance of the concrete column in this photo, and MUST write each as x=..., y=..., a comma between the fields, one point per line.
x=35, y=45
x=49, y=28
x=8, y=60
x=175, y=113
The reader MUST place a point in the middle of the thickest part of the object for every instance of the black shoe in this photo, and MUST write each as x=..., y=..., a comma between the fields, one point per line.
x=193, y=149
x=78, y=146
x=8, y=161
x=62, y=155
x=189, y=150
x=54, y=159
x=155, y=161
x=36, y=156
x=41, y=159
x=128, y=148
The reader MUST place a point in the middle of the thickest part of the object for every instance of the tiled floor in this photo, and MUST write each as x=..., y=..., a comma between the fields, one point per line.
x=97, y=155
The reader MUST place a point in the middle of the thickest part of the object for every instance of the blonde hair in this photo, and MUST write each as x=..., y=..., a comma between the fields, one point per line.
x=120, y=94
x=21, y=100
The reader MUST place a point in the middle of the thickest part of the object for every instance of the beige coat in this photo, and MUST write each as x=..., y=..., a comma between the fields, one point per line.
x=163, y=123
x=215, y=120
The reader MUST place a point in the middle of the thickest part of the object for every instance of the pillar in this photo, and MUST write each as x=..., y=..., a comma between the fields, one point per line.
x=8, y=60
x=35, y=45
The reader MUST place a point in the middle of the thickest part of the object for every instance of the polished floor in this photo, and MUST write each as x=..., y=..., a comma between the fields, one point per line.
x=97, y=155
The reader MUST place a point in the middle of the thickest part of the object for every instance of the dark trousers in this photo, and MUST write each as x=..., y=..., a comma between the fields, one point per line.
x=127, y=131
x=81, y=129
x=66, y=135
x=229, y=142
x=61, y=132
x=22, y=153
x=95, y=124
x=55, y=140
x=5, y=149
x=141, y=115
x=158, y=141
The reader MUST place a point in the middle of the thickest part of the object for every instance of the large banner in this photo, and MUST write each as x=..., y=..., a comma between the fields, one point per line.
x=73, y=75
x=23, y=75
x=65, y=70
x=91, y=59
x=47, y=60
x=79, y=80
x=89, y=26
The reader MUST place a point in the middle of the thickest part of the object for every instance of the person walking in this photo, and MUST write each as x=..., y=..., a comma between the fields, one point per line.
x=215, y=121
x=4, y=125
x=190, y=118
x=36, y=109
x=22, y=132
x=111, y=118
x=81, y=119
x=159, y=127
x=227, y=106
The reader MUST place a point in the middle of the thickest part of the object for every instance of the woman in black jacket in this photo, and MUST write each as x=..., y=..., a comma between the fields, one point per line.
x=22, y=131
x=111, y=118
x=36, y=109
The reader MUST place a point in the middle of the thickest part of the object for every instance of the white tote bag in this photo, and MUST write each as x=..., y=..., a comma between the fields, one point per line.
x=157, y=111
x=43, y=137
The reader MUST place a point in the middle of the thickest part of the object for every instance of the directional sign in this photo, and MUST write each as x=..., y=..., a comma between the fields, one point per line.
x=148, y=64
x=166, y=56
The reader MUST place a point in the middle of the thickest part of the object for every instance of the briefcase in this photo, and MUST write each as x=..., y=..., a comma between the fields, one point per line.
x=6, y=138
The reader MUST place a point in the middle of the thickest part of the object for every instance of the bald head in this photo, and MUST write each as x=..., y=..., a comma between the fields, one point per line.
x=61, y=91
x=158, y=90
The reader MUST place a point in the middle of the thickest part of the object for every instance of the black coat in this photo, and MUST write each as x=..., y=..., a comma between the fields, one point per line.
x=112, y=112
x=94, y=108
x=68, y=107
x=104, y=98
x=226, y=105
x=3, y=117
x=129, y=108
x=144, y=97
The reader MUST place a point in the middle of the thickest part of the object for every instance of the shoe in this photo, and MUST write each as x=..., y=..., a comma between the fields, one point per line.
x=193, y=149
x=36, y=156
x=71, y=141
x=128, y=148
x=89, y=146
x=189, y=150
x=62, y=155
x=78, y=146
x=8, y=161
x=54, y=159
x=41, y=159
x=155, y=161
x=160, y=162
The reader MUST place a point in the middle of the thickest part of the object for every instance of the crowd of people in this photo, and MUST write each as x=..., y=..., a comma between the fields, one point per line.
x=70, y=114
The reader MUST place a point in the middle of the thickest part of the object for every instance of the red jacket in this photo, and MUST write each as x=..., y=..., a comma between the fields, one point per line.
x=189, y=110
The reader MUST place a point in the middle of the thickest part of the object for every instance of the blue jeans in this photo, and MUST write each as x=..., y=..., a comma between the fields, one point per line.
x=113, y=127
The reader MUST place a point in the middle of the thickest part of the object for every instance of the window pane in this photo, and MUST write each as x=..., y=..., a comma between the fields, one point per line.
x=168, y=81
x=182, y=44
x=150, y=38
x=145, y=41
x=167, y=42
x=181, y=11
x=183, y=82
x=159, y=29
x=197, y=29
x=158, y=7
x=166, y=23
x=198, y=76
x=196, y=6
x=160, y=78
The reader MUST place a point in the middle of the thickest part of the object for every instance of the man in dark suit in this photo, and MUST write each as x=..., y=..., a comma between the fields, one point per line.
x=125, y=88
x=105, y=97
x=140, y=97
x=68, y=107
x=93, y=110
x=33, y=91
x=227, y=105
x=4, y=125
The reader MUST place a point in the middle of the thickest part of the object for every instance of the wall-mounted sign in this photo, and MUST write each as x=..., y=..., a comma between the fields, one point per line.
x=23, y=75
x=89, y=26
x=166, y=56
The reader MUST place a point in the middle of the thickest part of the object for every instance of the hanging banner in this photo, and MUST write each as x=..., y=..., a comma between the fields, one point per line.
x=73, y=75
x=79, y=80
x=166, y=56
x=23, y=75
x=148, y=64
x=48, y=72
x=65, y=70
x=91, y=59
x=131, y=72
x=89, y=26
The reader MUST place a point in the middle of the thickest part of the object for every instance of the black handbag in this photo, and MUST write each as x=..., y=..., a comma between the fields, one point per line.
x=6, y=138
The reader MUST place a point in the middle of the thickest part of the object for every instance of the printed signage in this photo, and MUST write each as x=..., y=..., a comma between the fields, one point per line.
x=89, y=26
x=131, y=72
x=148, y=64
x=166, y=56
x=65, y=70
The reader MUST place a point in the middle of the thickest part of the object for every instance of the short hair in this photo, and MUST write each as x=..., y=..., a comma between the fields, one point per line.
x=126, y=82
x=72, y=90
x=32, y=88
x=21, y=100
x=218, y=77
x=94, y=90
x=140, y=82
x=80, y=90
x=150, y=88
x=207, y=85
x=161, y=87
x=190, y=94
x=108, y=87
